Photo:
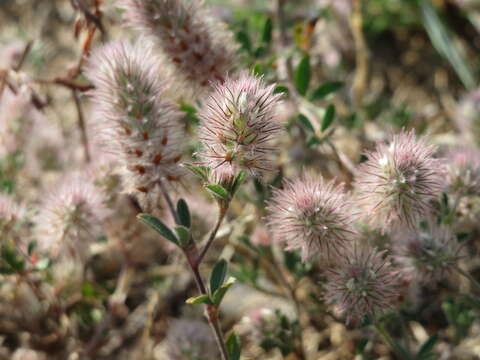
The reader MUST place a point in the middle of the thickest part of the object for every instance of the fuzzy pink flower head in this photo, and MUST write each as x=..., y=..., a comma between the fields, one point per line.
x=312, y=215
x=199, y=46
x=238, y=124
x=71, y=217
x=363, y=282
x=133, y=121
x=427, y=254
x=463, y=171
x=398, y=181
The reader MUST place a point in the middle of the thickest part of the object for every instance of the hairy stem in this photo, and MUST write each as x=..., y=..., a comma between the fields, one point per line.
x=212, y=236
x=211, y=311
x=194, y=259
x=396, y=348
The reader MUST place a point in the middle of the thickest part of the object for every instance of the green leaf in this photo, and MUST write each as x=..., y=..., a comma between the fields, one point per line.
x=306, y=122
x=202, y=299
x=328, y=117
x=199, y=170
x=184, y=213
x=9, y=255
x=258, y=69
x=233, y=347
x=88, y=291
x=218, y=191
x=218, y=275
x=190, y=112
x=280, y=89
x=31, y=247
x=220, y=293
x=239, y=180
x=441, y=40
x=302, y=75
x=43, y=263
x=267, y=31
x=259, y=52
x=157, y=225
x=426, y=350
x=326, y=89
x=183, y=235
x=244, y=40
x=313, y=140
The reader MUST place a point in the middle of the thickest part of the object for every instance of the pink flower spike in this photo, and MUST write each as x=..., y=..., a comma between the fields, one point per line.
x=397, y=183
x=197, y=44
x=133, y=120
x=428, y=254
x=363, y=282
x=312, y=215
x=238, y=125
x=71, y=217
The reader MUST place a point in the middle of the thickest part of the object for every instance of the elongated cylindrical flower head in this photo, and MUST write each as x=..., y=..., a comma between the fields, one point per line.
x=428, y=254
x=191, y=340
x=132, y=119
x=71, y=217
x=200, y=47
x=398, y=181
x=463, y=171
x=312, y=215
x=362, y=283
x=238, y=124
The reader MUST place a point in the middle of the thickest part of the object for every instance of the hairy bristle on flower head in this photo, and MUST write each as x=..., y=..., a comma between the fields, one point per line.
x=198, y=45
x=132, y=119
x=238, y=124
x=463, y=171
x=71, y=216
x=398, y=181
x=191, y=340
x=312, y=215
x=363, y=283
x=428, y=253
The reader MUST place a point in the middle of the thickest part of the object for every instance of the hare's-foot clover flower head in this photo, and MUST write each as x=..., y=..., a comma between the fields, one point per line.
x=238, y=124
x=200, y=47
x=429, y=253
x=312, y=215
x=191, y=340
x=362, y=283
x=463, y=171
x=71, y=217
x=133, y=120
x=397, y=183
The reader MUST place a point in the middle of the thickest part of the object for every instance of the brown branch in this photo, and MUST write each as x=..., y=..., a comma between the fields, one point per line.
x=25, y=52
x=81, y=125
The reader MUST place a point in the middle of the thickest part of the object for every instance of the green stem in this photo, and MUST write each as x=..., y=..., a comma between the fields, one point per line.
x=462, y=272
x=212, y=236
x=397, y=348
